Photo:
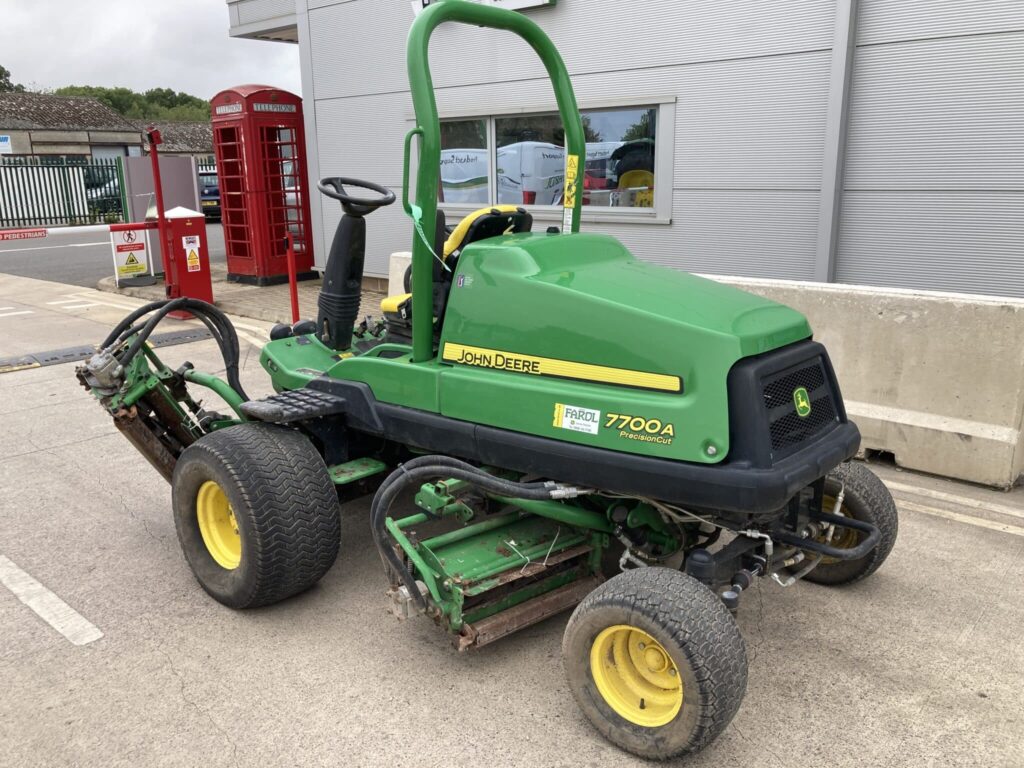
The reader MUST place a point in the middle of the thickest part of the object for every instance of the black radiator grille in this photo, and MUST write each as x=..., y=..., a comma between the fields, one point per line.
x=788, y=429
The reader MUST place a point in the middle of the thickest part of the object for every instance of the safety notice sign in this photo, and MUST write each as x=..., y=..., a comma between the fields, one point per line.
x=131, y=258
x=572, y=171
x=191, y=244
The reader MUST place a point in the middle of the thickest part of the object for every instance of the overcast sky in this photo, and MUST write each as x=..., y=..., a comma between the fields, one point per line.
x=179, y=44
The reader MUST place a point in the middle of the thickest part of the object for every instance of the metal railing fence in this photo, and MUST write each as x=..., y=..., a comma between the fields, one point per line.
x=45, y=191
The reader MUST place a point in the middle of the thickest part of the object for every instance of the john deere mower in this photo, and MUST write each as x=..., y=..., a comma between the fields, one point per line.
x=548, y=423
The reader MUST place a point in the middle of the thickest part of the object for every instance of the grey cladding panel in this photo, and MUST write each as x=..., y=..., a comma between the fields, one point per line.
x=748, y=233
x=595, y=36
x=363, y=136
x=359, y=47
x=252, y=11
x=969, y=242
x=750, y=124
x=883, y=21
x=938, y=114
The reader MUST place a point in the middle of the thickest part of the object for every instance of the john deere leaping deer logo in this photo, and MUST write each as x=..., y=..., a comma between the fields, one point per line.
x=802, y=401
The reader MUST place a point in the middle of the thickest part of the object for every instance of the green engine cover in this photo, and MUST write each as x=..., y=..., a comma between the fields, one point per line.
x=584, y=298
x=570, y=337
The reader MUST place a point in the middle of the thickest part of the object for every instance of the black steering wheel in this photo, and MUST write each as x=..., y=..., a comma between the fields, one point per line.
x=334, y=187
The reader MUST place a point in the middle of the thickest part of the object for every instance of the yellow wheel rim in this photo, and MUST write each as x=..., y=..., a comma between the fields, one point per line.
x=218, y=526
x=636, y=676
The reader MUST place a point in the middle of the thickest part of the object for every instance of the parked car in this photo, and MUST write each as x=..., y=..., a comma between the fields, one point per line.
x=104, y=202
x=209, y=195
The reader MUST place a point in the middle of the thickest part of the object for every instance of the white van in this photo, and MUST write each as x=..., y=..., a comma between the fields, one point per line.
x=464, y=176
x=529, y=173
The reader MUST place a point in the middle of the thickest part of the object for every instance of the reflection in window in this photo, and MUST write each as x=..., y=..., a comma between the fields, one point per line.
x=618, y=171
x=619, y=168
x=465, y=164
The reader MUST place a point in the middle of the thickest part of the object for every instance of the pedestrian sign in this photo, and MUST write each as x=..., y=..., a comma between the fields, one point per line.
x=131, y=258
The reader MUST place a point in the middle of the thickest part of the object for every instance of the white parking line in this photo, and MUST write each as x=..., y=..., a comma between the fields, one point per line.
x=64, y=301
x=3, y=308
x=255, y=342
x=47, y=605
x=962, y=501
x=107, y=302
x=80, y=306
x=50, y=247
x=966, y=519
x=12, y=314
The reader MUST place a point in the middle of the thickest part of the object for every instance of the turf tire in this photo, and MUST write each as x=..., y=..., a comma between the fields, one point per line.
x=284, y=503
x=867, y=499
x=693, y=627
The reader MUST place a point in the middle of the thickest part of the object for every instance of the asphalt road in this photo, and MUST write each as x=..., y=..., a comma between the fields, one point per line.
x=79, y=260
x=920, y=665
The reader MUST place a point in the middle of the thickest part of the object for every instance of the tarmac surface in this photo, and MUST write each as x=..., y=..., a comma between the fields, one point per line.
x=920, y=665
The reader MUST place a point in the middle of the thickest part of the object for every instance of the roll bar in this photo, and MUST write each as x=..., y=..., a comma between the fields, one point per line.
x=428, y=128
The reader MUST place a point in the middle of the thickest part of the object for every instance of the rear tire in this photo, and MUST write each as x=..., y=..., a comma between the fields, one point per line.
x=865, y=498
x=656, y=662
x=256, y=513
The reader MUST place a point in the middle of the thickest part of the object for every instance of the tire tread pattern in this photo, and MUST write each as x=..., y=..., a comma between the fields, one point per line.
x=700, y=625
x=291, y=502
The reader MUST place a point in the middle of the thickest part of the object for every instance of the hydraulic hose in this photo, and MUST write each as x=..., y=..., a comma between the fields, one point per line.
x=421, y=469
x=215, y=320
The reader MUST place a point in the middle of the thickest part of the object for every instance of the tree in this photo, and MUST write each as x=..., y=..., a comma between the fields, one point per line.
x=6, y=86
x=547, y=128
x=154, y=104
x=643, y=128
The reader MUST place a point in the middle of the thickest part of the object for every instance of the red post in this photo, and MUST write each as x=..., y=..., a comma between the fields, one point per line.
x=165, y=241
x=293, y=280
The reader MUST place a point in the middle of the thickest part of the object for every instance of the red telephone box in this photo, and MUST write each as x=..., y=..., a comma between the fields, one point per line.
x=260, y=146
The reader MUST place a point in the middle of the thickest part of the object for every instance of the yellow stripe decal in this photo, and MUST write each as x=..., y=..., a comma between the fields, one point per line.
x=546, y=366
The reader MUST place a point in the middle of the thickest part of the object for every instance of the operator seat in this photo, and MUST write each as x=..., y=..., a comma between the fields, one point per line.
x=641, y=183
x=481, y=224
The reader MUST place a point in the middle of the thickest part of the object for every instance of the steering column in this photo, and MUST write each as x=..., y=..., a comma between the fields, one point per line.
x=340, y=294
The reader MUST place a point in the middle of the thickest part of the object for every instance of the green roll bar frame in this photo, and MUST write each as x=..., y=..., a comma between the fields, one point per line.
x=428, y=128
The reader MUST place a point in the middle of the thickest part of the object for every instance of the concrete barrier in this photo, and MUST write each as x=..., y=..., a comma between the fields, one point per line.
x=935, y=379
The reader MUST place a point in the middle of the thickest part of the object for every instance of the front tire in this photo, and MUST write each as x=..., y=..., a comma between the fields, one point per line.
x=865, y=498
x=256, y=513
x=656, y=662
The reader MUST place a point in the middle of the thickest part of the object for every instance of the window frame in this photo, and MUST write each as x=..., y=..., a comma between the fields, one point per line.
x=664, y=161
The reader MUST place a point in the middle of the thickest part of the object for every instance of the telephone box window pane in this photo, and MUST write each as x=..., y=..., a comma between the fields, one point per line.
x=619, y=168
x=465, y=162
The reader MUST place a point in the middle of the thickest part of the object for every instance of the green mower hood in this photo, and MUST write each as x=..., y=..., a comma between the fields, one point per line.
x=668, y=339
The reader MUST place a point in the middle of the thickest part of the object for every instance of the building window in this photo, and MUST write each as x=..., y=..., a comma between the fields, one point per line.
x=465, y=162
x=527, y=153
